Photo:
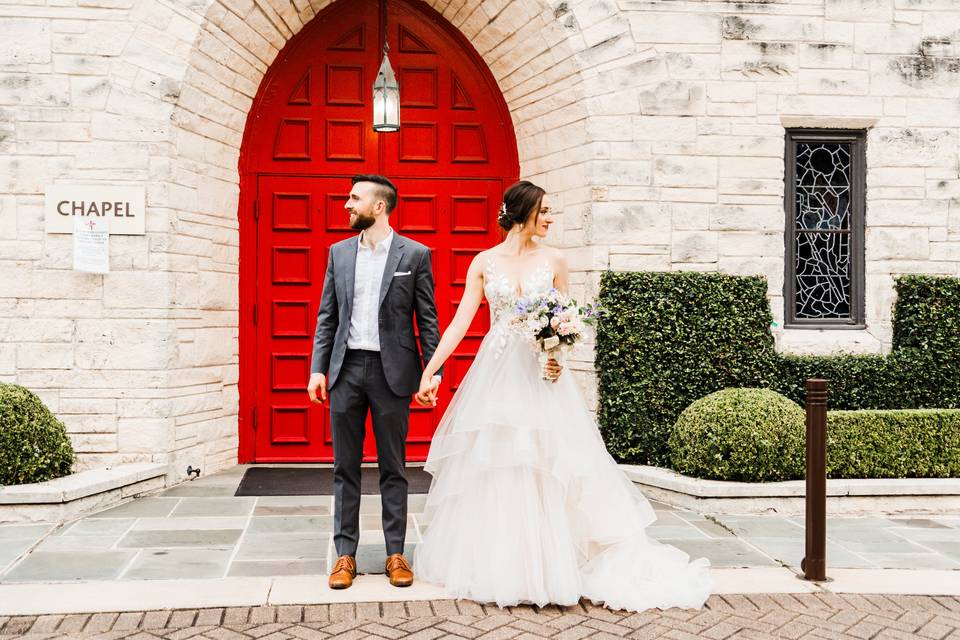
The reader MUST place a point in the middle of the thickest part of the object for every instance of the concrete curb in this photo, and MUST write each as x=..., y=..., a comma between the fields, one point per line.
x=95, y=597
x=883, y=496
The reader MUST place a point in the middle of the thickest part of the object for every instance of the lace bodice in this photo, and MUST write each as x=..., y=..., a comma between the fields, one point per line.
x=502, y=292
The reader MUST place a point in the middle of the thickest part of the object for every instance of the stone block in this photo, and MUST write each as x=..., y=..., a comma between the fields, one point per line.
x=60, y=284
x=653, y=27
x=887, y=38
x=946, y=251
x=932, y=112
x=834, y=81
x=210, y=346
x=23, y=174
x=823, y=341
x=109, y=155
x=685, y=171
x=747, y=186
x=25, y=41
x=690, y=217
x=825, y=55
x=750, y=146
x=860, y=10
x=639, y=262
x=673, y=97
x=44, y=355
x=767, y=61
x=108, y=126
x=94, y=442
x=831, y=106
x=907, y=213
x=694, y=246
x=897, y=243
x=8, y=217
x=89, y=423
x=218, y=291
x=137, y=290
x=622, y=223
x=769, y=28
x=101, y=38
x=912, y=147
x=735, y=243
x=755, y=168
x=622, y=172
x=73, y=64
x=771, y=268
x=144, y=435
x=895, y=177
x=669, y=128
x=125, y=344
x=8, y=359
x=36, y=329
x=88, y=405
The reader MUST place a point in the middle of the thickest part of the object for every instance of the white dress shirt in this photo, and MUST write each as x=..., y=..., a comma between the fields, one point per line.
x=367, y=277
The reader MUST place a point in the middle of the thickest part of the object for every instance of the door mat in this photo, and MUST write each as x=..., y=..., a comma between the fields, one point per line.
x=317, y=481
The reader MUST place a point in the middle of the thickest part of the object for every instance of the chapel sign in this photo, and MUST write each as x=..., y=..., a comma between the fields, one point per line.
x=121, y=207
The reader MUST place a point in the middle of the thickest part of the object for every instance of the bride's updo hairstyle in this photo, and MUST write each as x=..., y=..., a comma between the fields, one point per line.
x=519, y=201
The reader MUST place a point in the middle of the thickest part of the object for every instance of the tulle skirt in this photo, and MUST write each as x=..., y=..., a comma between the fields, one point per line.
x=527, y=506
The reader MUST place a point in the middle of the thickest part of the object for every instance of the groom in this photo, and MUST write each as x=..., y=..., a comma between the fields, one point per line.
x=365, y=359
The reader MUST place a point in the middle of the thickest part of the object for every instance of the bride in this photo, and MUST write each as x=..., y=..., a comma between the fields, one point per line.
x=526, y=505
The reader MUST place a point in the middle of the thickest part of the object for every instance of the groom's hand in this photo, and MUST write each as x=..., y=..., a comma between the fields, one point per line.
x=427, y=395
x=318, y=382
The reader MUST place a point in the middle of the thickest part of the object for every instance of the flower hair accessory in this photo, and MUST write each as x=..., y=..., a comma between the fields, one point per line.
x=502, y=215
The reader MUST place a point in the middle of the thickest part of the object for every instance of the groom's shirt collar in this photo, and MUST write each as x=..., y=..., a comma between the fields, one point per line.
x=381, y=247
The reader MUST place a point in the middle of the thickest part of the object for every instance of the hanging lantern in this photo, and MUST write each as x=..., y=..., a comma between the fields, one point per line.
x=386, y=97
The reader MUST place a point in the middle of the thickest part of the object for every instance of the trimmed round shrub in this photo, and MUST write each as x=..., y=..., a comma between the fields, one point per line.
x=33, y=443
x=748, y=435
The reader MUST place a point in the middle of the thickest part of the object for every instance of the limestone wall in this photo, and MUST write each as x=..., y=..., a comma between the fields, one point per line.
x=658, y=125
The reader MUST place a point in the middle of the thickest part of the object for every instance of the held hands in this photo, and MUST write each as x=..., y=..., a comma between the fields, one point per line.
x=318, y=383
x=552, y=369
x=427, y=395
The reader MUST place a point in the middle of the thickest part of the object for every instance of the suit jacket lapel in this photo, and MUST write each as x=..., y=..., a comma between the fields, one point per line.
x=349, y=271
x=393, y=260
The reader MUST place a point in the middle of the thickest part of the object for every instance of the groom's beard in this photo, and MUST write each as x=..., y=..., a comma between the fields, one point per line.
x=359, y=222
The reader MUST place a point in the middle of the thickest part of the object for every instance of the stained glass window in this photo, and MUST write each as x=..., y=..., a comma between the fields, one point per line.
x=825, y=227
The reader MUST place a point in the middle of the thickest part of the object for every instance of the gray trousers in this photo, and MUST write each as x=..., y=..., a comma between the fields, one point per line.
x=362, y=387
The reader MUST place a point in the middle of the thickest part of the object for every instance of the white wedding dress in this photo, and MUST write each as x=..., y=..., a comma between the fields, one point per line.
x=526, y=505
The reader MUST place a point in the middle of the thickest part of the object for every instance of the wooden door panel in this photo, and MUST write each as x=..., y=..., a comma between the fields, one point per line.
x=308, y=133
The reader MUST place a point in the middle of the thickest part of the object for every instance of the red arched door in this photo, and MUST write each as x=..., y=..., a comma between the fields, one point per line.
x=308, y=132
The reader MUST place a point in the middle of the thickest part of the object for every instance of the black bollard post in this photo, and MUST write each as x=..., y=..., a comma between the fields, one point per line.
x=814, y=564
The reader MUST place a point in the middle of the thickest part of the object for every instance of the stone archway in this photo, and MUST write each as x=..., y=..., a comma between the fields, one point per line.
x=542, y=60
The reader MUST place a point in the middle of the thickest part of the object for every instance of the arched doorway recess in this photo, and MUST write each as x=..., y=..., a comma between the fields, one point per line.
x=308, y=131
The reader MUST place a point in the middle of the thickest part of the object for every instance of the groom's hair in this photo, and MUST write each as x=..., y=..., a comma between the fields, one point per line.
x=385, y=190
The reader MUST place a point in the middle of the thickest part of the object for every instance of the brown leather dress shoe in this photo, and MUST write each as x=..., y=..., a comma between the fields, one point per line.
x=399, y=571
x=344, y=571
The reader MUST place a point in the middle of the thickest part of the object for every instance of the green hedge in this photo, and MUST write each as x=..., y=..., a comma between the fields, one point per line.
x=33, y=443
x=668, y=339
x=752, y=435
x=912, y=443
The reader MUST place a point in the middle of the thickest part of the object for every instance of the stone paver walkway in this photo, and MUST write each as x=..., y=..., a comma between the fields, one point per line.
x=200, y=530
x=755, y=617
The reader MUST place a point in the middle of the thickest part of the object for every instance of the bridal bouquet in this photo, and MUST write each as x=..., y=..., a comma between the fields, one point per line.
x=554, y=321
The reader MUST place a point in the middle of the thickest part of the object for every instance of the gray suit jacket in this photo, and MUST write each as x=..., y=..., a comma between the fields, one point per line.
x=400, y=298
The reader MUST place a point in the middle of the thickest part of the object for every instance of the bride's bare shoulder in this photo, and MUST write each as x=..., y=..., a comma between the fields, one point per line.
x=480, y=261
x=556, y=257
